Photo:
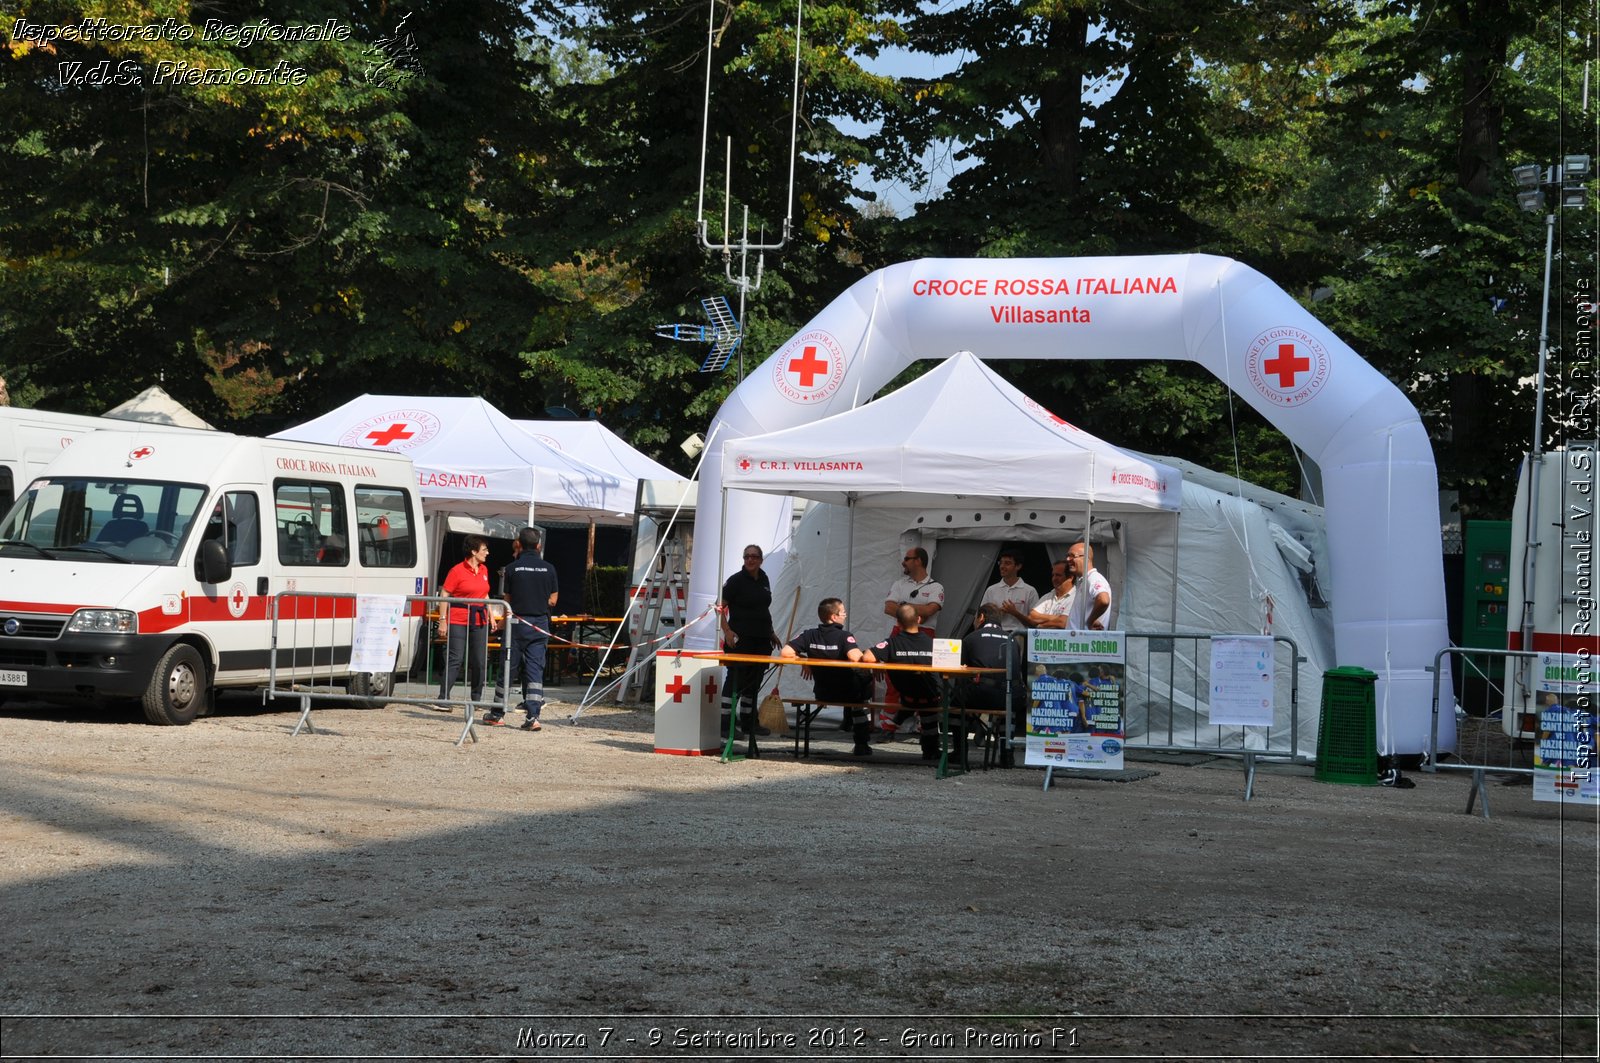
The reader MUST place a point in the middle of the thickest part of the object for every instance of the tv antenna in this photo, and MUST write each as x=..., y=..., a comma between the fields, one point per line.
x=725, y=334
x=744, y=283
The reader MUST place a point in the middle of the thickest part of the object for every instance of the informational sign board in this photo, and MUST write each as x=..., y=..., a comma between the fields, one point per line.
x=1564, y=756
x=947, y=653
x=376, y=643
x=1075, y=719
x=1241, y=680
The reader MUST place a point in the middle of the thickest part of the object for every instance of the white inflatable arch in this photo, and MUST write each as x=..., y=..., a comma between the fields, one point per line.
x=1379, y=480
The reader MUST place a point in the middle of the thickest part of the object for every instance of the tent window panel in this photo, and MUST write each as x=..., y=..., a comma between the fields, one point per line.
x=384, y=527
x=312, y=526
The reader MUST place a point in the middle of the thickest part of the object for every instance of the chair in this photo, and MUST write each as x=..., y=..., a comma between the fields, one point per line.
x=126, y=523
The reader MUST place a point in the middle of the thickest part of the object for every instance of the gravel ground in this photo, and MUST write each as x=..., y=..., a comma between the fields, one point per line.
x=371, y=890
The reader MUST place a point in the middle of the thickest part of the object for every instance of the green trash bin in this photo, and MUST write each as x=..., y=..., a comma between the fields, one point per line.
x=1347, y=734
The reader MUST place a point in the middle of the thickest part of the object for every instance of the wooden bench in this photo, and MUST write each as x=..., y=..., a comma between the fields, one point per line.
x=990, y=723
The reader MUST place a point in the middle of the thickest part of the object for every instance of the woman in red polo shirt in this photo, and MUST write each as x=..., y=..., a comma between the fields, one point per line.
x=468, y=626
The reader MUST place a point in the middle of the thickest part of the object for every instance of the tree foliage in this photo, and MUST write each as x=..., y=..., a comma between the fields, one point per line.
x=503, y=199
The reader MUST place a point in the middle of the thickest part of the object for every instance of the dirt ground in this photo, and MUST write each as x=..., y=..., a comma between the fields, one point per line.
x=372, y=890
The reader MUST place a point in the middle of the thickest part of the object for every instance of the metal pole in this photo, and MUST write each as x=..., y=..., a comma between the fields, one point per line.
x=1536, y=454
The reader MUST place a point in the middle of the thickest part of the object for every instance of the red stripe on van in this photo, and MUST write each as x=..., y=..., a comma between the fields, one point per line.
x=1555, y=642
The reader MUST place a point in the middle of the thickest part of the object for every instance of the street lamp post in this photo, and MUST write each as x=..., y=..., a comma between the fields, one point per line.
x=1565, y=179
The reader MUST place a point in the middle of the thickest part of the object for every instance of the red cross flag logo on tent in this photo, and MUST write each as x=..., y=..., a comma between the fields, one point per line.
x=743, y=464
x=397, y=430
x=809, y=368
x=1287, y=365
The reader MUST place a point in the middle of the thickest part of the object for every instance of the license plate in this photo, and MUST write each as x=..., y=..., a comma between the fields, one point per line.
x=13, y=679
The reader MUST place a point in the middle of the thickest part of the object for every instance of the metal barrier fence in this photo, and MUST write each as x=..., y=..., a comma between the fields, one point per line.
x=1483, y=743
x=1167, y=692
x=312, y=638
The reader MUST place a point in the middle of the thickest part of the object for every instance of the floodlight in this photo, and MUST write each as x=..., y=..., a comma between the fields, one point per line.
x=1527, y=176
x=1532, y=201
x=693, y=445
x=1574, y=197
x=1575, y=167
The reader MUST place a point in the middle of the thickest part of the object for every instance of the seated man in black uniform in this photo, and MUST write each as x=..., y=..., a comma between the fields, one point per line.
x=988, y=645
x=919, y=691
x=829, y=641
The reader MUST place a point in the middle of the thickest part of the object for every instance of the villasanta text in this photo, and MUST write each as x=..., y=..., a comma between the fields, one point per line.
x=810, y=466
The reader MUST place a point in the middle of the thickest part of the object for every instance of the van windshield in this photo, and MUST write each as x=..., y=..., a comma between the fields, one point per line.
x=113, y=521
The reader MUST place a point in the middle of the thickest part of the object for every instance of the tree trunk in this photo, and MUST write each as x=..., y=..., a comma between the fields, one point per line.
x=1061, y=104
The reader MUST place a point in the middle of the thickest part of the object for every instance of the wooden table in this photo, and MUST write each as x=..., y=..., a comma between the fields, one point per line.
x=586, y=638
x=942, y=770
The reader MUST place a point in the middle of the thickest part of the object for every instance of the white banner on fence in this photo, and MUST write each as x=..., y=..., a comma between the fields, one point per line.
x=1241, y=680
x=376, y=643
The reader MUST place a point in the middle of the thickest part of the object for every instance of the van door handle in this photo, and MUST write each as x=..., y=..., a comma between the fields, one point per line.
x=261, y=586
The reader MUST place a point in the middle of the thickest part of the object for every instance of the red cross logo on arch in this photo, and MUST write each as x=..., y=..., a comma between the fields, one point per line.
x=1287, y=365
x=396, y=430
x=809, y=368
x=744, y=464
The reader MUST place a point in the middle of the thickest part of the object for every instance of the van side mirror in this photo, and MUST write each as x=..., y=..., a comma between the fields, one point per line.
x=211, y=563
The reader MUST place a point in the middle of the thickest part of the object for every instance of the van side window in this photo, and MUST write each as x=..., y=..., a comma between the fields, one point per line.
x=236, y=522
x=8, y=490
x=384, y=527
x=312, y=526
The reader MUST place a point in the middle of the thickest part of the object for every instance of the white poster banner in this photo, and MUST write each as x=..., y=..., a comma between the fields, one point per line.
x=376, y=643
x=1242, y=680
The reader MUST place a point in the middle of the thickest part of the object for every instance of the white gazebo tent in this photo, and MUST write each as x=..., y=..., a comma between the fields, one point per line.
x=960, y=438
x=154, y=406
x=476, y=470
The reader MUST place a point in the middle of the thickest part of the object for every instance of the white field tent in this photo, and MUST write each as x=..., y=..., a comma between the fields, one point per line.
x=154, y=406
x=476, y=470
x=593, y=443
x=960, y=462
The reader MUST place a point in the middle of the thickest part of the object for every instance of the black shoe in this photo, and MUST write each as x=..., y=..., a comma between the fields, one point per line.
x=749, y=727
x=930, y=747
x=862, y=749
x=532, y=725
x=494, y=719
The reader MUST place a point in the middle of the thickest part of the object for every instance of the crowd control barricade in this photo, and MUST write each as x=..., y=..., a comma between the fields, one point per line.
x=1167, y=699
x=1484, y=744
x=315, y=637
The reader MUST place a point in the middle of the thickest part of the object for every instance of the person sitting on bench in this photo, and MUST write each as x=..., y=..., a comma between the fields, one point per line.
x=988, y=646
x=911, y=643
x=829, y=641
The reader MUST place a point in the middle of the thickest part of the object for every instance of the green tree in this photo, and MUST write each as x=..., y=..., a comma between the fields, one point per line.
x=286, y=244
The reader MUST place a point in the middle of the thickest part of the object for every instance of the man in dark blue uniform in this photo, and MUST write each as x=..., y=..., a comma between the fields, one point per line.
x=528, y=583
x=989, y=645
x=910, y=643
x=829, y=641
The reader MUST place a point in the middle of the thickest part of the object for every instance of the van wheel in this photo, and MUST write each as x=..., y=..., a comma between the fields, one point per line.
x=177, y=688
x=374, y=687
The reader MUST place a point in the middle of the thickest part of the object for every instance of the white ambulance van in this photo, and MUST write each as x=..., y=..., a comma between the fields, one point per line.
x=144, y=565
